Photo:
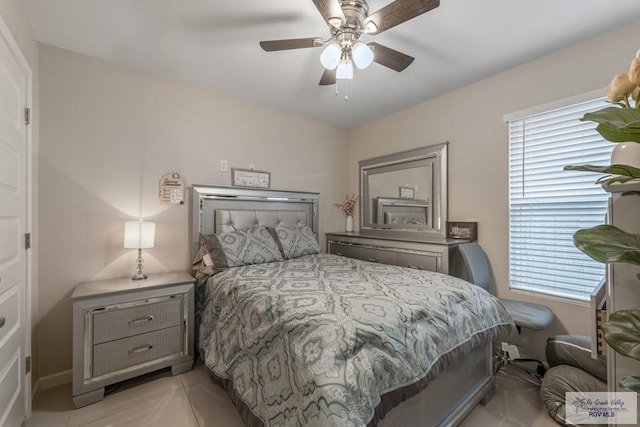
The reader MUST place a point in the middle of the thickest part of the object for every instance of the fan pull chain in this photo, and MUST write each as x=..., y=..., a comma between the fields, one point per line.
x=346, y=90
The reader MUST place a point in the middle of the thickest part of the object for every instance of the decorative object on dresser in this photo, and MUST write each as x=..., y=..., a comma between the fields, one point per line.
x=348, y=207
x=139, y=235
x=122, y=329
x=250, y=178
x=462, y=230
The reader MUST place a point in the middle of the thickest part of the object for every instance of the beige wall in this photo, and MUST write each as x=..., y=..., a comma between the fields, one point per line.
x=110, y=133
x=471, y=119
x=14, y=14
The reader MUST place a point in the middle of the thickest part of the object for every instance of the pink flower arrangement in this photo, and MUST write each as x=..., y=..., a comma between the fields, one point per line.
x=349, y=204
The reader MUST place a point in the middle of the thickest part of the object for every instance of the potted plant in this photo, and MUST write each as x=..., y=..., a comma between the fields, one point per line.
x=619, y=123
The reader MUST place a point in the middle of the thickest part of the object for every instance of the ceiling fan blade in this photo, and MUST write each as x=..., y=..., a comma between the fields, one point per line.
x=396, y=13
x=390, y=58
x=273, y=45
x=328, y=78
x=330, y=11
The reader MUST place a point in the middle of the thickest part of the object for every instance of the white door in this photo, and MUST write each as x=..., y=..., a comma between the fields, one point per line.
x=14, y=79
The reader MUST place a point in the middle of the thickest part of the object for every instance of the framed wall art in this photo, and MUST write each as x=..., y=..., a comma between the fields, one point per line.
x=250, y=178
x=407, y=193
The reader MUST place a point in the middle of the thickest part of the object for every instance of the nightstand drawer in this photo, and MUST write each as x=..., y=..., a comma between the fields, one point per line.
x=126, y=322
x=421, y=262
x=116, y=355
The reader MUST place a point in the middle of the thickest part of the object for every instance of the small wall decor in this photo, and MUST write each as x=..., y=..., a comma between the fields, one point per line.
x=250, y=178
x=462, y=230
x=407, y=193
x=171, y=189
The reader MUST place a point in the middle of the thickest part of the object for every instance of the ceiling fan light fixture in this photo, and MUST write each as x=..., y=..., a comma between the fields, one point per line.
x=362, y=55
x=331, y=56
x=344, y=70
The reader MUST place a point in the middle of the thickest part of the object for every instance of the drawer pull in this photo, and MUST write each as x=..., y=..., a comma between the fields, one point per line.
x=141, y=349
x=136, y=322
x=2, y=321
x=372, y=260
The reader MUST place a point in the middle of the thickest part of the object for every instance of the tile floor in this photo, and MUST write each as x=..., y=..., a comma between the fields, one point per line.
x=192, y=400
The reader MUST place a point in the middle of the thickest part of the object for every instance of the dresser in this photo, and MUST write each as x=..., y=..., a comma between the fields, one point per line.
x=431, y=256
x=123, y=328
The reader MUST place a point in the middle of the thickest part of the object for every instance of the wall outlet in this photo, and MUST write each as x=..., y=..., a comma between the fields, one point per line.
x=252, y=166
x=224, y=166
x=513, y=352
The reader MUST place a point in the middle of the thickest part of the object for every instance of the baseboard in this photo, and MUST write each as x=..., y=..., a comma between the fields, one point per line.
x=53, y=380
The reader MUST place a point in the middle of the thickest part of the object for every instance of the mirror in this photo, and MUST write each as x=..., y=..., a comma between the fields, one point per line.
x=404, y=195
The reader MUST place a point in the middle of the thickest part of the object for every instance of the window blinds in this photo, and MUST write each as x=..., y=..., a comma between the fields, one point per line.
x=547, y=204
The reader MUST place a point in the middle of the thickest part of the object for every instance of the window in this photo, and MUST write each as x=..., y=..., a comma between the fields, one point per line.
x=547, y=204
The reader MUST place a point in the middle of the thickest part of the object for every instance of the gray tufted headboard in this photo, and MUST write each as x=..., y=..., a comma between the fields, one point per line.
x=241, y=219
x=221, y=209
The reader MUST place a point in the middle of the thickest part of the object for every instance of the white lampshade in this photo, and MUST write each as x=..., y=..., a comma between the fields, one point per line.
x=344, y=70
x=331, y=56
x=139, y=234
x=362, y=55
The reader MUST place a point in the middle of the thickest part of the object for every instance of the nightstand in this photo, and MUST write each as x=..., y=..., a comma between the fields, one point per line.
x=123, y=328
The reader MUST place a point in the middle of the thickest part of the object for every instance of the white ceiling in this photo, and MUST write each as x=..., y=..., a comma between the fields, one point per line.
x=214, y=44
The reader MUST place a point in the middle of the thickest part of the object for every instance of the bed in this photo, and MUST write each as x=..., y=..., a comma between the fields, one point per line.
x=305, y=338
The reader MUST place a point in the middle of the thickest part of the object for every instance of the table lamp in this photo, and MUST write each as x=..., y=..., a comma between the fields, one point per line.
x=139, y=235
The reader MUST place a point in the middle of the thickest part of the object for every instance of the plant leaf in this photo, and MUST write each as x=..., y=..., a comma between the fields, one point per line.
x=616, y=124
x=606, y=243
x=622, y=332
x=614, y=117
x=624, y=170
x=631, y=383
x=618, y=135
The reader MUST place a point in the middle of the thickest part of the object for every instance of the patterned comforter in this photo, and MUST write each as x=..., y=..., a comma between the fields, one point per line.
x=316, y=341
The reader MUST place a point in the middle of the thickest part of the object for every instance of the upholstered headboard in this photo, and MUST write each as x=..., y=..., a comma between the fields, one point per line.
x=221, y=209
x=242, y=219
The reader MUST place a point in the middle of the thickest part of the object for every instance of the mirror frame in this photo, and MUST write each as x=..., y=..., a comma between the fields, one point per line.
x=439, y=204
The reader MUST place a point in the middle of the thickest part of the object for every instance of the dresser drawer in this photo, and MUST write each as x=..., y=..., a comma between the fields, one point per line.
x=126, y=322
x=119, y=354
x=419, y=261
x=364, y=253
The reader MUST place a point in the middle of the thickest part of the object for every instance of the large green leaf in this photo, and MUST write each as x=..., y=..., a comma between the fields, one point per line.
x=622, y=332
x=631, y=383
x=618, y=135
x=624, y=170
x=617, y=118
x=616, y=124
x=606, y=243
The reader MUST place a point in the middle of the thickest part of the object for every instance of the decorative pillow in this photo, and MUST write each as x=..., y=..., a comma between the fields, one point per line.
x=297, y=242
x=210, y=258
x=253, y=246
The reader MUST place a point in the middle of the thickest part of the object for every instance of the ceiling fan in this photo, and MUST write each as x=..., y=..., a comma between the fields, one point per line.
x=348, y=20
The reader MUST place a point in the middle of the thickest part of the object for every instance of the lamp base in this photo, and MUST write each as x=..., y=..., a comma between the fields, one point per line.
x=139, y=275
